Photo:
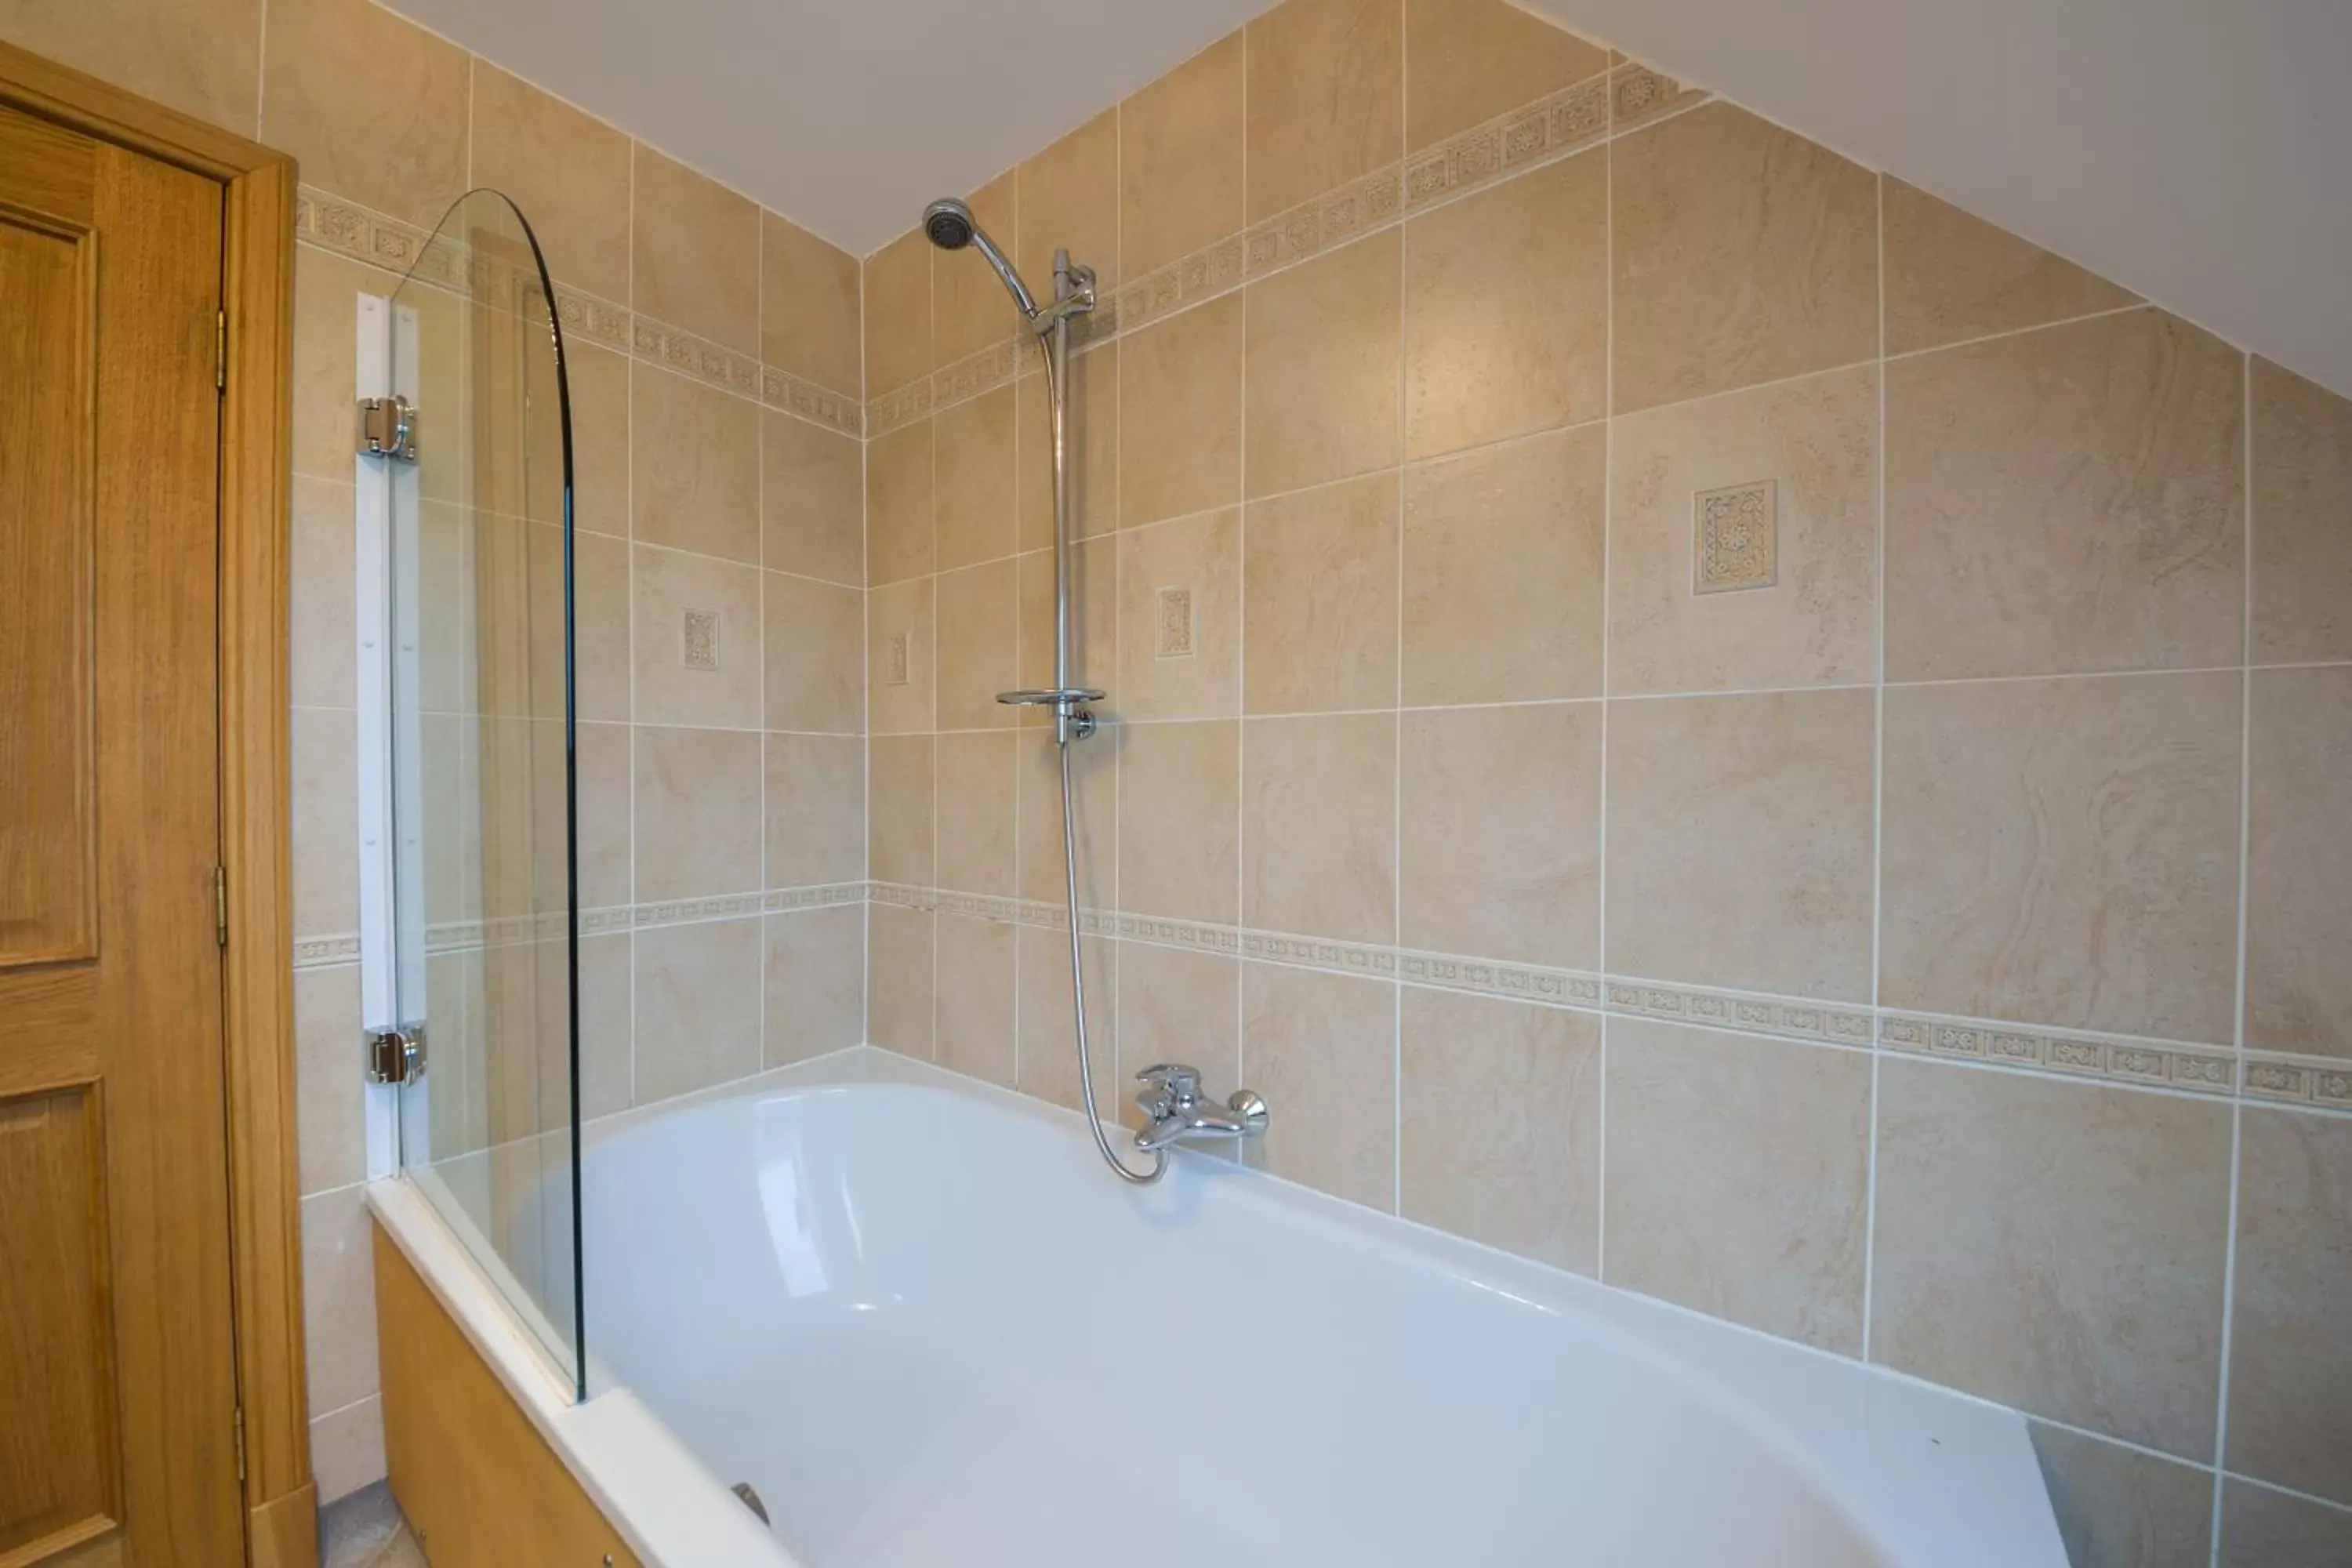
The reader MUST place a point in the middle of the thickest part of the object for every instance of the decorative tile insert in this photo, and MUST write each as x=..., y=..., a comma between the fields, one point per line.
x=895, y=665
x=2298, y=1082
x=2199, y=1069
x=698, y=640
x=1736, y=538
x=1175, y=638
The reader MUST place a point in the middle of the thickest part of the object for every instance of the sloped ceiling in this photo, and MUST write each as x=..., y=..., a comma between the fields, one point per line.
x=2199, y=152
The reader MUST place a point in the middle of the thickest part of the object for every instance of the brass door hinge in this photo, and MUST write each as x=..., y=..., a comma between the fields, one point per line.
x=220, y=905
x=240, y=1442
x=220, y=351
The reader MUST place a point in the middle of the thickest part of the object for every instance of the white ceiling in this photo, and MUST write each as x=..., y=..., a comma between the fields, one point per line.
x=843, y=115
x=2199, y=152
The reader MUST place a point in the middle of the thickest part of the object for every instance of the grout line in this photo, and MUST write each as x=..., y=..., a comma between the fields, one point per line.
x=1608, y=528
x=1396, y=688
x=1241, y=648
x=2247, y=523
x=1877, y=803
x=1988, y=337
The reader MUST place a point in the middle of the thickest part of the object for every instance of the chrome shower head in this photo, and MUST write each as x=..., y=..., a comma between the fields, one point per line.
x=949, y=224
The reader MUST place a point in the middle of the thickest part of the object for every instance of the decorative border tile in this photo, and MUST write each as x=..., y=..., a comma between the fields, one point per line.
x=2297, y=1081
x=1638, y=96
x=2197, y=1069
x=1570, y=120
x=351, y=230
x=320, y=951
x=1825, y=1023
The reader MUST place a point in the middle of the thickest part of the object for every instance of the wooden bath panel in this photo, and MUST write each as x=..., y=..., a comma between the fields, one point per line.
x=478, y=1483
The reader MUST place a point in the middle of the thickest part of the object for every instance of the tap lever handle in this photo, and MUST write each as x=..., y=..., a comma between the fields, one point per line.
x=1181, y=1082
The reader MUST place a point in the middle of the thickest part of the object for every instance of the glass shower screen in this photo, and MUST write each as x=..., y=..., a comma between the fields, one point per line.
x=483, y=780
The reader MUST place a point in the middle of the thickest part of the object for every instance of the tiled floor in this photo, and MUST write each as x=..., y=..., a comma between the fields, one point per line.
x=366, y=1530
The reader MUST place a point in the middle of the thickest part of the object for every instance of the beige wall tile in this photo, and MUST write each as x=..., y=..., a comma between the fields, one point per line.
x=1815, y=442
x=347, y=1449
x=900, y=534
x=326, y=828
x=897, y=333
x=450, y=748
x=696, y=249
x=1501, y=1135
x=333, y=1145
x=977, y=789
x=898, y=641
x=1319, y=599
x=1737, y=1171
x=1179, y=821
x=598, y=380
x=2065, y=852
x=1501, y=839
x=1176, y=1005
x=1951, y=276
x=2290, y=1368
x=815, y=804
x=322, y=631
x=607, y=812
x=372, y=105
x=977, y=643
x=697, y=998
x=448, y=674
x=812, y=501
x=1094, y=444
x=1473, y=59
x=1322, y=1049
x=2263, y=1528
x=970, y=309
x=608, y=1028
x=1744, y=254
x=2302, y=540
x=972, y=468
x=325, y=337
x=1094, y=784
x=809, y=306
x=698, y=805
x=203, y=60
x=337, y=1300
x=1199, y=557
x=1318, y=825
x=900, y=842
x=1094, y=623
x=975, y=997
x=1180, y=159
x=814, y=642
x=1506, y=303
x=2066, y=501
x=1321, y=365
x=695, y=468
x=1048, y=1040
x=898, y=979
x=2299, y=864
x=1739, y=841
x=1326, y=97
x=1181, y=409
x=1069, y=201
x=668, y=586
x=2104, y=1309
x=569, y=172
x=816, y=983
x=1503, y=572
x=2119, y=1508
x=600, y=636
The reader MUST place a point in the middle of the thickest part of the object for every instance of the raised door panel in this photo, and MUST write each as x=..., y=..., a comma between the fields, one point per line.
x=48, y=851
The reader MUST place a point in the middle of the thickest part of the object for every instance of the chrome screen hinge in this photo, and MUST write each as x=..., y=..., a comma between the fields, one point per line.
x=396, y=1056
x=388, y=428
x=220, y=906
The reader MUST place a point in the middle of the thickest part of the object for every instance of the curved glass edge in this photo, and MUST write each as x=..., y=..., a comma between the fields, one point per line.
x=450, y=262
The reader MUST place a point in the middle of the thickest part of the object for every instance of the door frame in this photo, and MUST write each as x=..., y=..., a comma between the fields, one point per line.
x=256, y=968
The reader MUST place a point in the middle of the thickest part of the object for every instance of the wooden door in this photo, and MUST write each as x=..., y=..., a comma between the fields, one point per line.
x=118, y=1394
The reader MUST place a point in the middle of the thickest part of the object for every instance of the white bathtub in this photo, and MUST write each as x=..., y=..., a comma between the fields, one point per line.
x=921, y=1321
